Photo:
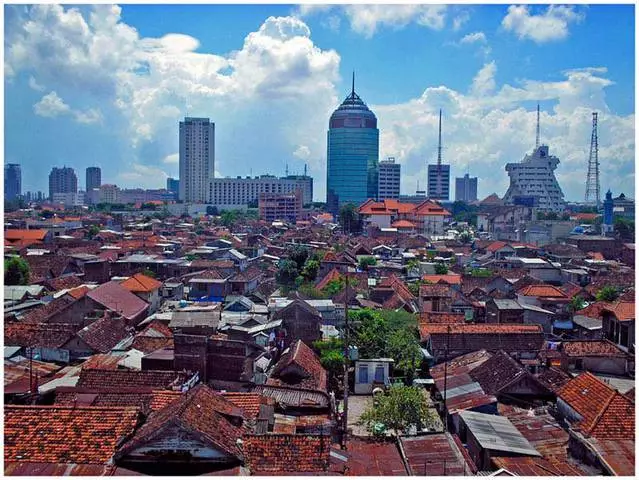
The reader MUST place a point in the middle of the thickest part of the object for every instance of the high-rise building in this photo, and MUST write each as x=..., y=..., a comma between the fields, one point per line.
x=197, y=158
x=62, y=180
x=352, y=154
x=93, y=178
x=239, y=192
x=173, y=185
x=280, y=206
x=466, y=189
x=608, y=204
x=439, y=174
x=439, y=182
x=12, y=181
x=389, y=179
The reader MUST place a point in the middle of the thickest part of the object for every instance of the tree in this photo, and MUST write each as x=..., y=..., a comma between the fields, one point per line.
x=309, y=272
x=228, y=217
x=371, y=333
x=441, y=269
x=465, y=237
x=16, y=271
x=607, y=294
x=333, y=287
x=93, y=231
x=331, y=353
x=348, y=217
x=148, y=273
x=624, y=228
x=577, y=303
x=366, y=262
x=287, y=272
x=404, y=348
x=299, y=255
x=212, y=210
x=397, y=410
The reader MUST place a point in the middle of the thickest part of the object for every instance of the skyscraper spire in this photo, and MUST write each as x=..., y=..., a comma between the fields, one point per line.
x=537, y=137
x=353, y=87
x=439, y=145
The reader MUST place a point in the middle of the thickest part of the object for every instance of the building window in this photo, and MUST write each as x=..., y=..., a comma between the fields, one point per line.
x=363, y=374
x=379, y=373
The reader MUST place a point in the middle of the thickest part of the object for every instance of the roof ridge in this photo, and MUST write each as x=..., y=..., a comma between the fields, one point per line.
x=601, y=412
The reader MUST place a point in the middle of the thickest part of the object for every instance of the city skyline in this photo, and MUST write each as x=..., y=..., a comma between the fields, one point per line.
x=121, y=107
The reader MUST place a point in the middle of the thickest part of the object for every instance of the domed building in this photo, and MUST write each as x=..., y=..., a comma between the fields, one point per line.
x=352, y=154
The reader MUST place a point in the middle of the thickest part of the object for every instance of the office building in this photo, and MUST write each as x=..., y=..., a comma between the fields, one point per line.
x=93, y=178
x=389, y=179
x=439, y=174
x=240, y=192
x=69, y=199
x=352, y=154
x=197, y=158
x=466, y=189
x=62, y=180
x=533, y=182
x=439, y=182
x=285, y=207
x=624, y=207
x=173, y=185
x=12, y=181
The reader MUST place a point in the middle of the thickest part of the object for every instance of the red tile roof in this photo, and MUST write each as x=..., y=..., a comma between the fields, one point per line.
x=441, y=317
x=333, y=274
x=622, y=310
x=55, y=434
x=480, y=328
x=46, y=335
x=101, y=378
x=13, y=235
x=249, y=402
x=494, y=246
x=277, y=453
x=105, y=333
x=594, y=310
x=542, y=291
x=592, y=348
x=301, y=356
x=140, y=283
x=403, y=224
x=450, y=278
x=436, y=455
x=115, y=297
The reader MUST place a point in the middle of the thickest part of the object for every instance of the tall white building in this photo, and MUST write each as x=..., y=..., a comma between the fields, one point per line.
x=533, y=182
x=197, y=158
x=229, y=192
x=389, y=179
x=466, y=189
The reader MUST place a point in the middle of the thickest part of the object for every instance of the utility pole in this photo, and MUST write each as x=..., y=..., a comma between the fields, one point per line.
x=346, y=352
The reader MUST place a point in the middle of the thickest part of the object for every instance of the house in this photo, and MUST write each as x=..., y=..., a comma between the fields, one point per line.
x=48, y=436
x=114, y=297
x=196, y=434
x=435, y=297
x=449, y=341
x=596, y=356
x=619, y=324
x=393, y=294
x=210, y=285
x=547, y=297
x=372, y=373
x=246, y=281
x=301, y=321
x=21, y=238
x=100, y=336
x=427, y=217
x=299, y=367
x=587, y=328
x=147, y=288
x=436, y=454
x=504, y=311
x=286, y=454
x=490, y=436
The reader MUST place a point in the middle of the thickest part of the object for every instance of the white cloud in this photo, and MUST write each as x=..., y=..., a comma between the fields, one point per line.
x=367, y=19
x=89, y=116
x=144, y=176
x=51, y=105
x=484, y=81
x=475, y=37
x=460, y=20
x=552, y=25
x=35, y=85
x=302, y=152
x=172, y=159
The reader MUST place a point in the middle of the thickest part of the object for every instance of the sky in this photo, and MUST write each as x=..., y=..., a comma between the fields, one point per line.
x=106, y=85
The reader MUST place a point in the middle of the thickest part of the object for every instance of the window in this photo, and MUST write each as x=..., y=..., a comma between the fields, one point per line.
x=363, y=374
x=379, y=373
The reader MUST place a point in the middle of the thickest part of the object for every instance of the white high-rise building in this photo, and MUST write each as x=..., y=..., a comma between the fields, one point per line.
x=197, y=158
x=533, y=182
x=389, y=179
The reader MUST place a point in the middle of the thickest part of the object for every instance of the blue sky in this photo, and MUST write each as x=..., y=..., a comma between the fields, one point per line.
x=107, y=86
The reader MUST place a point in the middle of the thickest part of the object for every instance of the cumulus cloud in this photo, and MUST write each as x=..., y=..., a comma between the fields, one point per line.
x=172, y=159
x=367, y=19
x=552, y=25
x=35, y=85
x=460, y=20
x=484, y=81
x=476, y=38
x=51, y=105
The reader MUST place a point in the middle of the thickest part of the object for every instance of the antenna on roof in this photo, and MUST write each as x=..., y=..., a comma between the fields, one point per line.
x=287, y=169
x=305, y=165
x=537, y=137
x=353, y=87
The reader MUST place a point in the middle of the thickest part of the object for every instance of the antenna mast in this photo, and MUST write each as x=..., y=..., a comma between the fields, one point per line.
x=353, y=87
x=592, y=180
x=439, y=158
x=537, y=138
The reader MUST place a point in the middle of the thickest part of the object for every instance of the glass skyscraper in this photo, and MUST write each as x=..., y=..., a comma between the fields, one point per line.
x=352, y=154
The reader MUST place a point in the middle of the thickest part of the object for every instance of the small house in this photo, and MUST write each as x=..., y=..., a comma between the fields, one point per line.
x=372, y=373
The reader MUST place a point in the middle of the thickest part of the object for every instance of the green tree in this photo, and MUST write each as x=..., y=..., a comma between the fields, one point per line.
x=287, y=272
x=577, y=303
x=299, y=255
x=331, y=353
x=348, y=217
x=397, y=410
x=333, y=287
x=607, y=294
x=366, y=262
x=441, y=269
x=404, y=348
x=624, y=228
x=16, y=271
x=149, y=273
x=93, y=231
x=465, y=237
x=371, y=333
x=309, y=272
x=228, y=218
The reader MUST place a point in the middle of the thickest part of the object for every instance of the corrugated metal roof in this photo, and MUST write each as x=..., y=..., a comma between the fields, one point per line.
x=494, y=432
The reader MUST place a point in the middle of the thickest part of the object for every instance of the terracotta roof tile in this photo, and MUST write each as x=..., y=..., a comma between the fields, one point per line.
x=14, y=234
x=140, y=283
x=450, y=278
x=46, y=335
x=101, y=378
x=118, y=299
x=56, y=434
x=622, y=310
x=441, y=317
x=543, y=291
x=277, y=453
x=299, y=367
x=592, y=348
x=250, y=403
x=105, y=333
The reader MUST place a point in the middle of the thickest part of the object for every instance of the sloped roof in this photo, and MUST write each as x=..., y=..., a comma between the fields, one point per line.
x=55, y=434
x=300, y=355
x=287, y=453
x=115, y=297
x=12, y=234
x=203, y=412
x=105, y=333
x=105, y=378
x=542, y=291
x=450, y=278
x=622, y=310
x=140, y=283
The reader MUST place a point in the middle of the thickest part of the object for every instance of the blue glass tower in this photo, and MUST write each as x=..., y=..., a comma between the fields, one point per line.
x=352, y=154
x=608, y=205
